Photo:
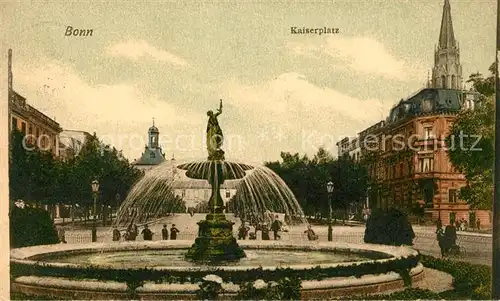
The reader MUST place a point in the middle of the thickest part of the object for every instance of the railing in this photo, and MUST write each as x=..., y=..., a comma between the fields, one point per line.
x=478, y=245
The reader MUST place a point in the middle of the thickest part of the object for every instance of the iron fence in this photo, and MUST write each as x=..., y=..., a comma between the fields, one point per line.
x=423, y=240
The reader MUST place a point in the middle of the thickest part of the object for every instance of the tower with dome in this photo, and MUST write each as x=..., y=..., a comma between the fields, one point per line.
x=153, y=154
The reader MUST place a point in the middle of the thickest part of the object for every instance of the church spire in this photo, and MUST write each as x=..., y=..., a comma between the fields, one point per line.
x=446, y=35
x=447, y=71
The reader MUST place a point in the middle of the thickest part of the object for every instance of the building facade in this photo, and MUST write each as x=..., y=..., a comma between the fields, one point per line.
x=40, y=129
x=406, y=155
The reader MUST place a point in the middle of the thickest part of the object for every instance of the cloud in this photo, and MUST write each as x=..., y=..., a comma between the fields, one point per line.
x=135, y=50
x=363, y=54
x=308, y=116
x=112, y=111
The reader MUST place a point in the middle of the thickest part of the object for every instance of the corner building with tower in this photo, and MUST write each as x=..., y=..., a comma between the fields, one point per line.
x=420, y=173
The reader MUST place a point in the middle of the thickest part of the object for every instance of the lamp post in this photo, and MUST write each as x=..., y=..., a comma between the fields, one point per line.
x=95, y=190
x=329, y=189
x=117, y=197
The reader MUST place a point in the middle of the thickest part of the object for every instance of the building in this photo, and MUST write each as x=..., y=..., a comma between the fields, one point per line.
x=153, y=154
x=406, y=154
x=71, y=143
x=42, y=130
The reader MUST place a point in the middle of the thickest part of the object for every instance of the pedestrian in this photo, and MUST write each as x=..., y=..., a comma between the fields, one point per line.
x=130, y=234
x=310, y=233
x=164, y=232
x=146, y=233
x=276, y=227
x=243, y=231
x=441, y=240
x=116, y=234
x=265, y=232
x=439, y=224
x=173, y=232
x=62, y=235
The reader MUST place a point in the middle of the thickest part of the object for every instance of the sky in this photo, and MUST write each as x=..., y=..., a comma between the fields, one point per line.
x=173, y=61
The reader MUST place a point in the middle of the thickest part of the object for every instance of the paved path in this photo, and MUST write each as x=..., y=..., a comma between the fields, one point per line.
x=477, y=247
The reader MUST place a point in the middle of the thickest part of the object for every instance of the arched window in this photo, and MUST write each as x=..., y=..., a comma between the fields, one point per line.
x=453, y=82
x=152, y=155
x=443, y=82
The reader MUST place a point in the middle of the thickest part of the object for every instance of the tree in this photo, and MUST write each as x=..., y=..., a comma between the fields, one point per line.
x=471, y=144
x=104, y=163
x=307, y=178
x=350, y=180
x=31, y=171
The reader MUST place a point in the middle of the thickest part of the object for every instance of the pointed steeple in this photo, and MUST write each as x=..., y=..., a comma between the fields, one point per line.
x=446, y=35
x=447, y=71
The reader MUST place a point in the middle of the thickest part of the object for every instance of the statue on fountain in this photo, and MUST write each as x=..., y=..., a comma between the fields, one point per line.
x=215, y=241
x=214, y=135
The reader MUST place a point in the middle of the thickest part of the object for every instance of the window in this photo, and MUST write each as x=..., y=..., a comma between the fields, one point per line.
x=453, y=217
x=443, y=82
x=37, y=132
x=183, y=192
x=228, y=194
x=426, y=164
x=428, y=132
x=152, y=155
x=427, y=105
x=14, y=123
x=30, y=130
x=452, y=196
x=23, y=128
x=394, y=171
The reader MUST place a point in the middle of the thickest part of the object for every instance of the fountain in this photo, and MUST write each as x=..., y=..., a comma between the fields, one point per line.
x=215, y=241
x=167, y=269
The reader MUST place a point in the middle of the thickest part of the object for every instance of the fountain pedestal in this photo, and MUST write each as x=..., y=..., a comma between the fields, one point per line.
x=215, y=241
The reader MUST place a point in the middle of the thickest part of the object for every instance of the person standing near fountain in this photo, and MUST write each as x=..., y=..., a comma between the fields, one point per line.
x=243, y=230
x=164, y=232
x=276, y=227
x=147, y=234
x=116, y=234
x=173, y=232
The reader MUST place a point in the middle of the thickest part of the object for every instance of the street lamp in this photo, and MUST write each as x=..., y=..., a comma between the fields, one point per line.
x=329, y=189
x=95, y=190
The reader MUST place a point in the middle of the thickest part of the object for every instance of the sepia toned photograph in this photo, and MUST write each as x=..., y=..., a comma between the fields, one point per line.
x=250, y=150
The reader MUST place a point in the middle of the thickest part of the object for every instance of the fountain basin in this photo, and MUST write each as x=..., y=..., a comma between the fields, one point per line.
x=34, y=274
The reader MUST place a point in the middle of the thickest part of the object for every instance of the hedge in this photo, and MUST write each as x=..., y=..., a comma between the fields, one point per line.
x=135, y=277
x=470, y=282
x=30, y=227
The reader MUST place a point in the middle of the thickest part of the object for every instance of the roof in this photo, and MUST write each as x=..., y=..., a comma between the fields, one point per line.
x=150, y=157
x=153, y=129
x=202, y=184
x=446, y=35
x=427, y=101
x=19, y=103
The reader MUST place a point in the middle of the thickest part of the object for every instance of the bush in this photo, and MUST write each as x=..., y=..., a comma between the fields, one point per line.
x=389, y=228
x=31, y=227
